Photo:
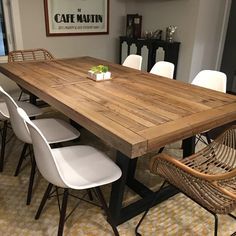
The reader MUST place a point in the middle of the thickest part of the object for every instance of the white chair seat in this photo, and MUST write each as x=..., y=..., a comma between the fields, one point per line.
x=84, y=167
x=30, y=109
x=64, y=131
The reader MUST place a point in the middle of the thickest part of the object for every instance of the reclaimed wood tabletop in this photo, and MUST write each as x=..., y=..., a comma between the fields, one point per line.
x=136, y=112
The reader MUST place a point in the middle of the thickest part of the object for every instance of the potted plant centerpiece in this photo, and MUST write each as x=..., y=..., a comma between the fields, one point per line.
x=99, y=73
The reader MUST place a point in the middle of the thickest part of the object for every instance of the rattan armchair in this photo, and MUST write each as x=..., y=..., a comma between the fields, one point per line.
x=29, y=55
x=207, y=177
x=38, y=54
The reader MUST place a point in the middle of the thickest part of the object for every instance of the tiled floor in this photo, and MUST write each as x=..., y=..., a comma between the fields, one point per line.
x=177, y=216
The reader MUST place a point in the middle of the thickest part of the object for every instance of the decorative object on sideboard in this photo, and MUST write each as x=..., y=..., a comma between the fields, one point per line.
x=99, y=73
x=157, y=34
x=129, y=27
x=133, y=25
x=170, y=30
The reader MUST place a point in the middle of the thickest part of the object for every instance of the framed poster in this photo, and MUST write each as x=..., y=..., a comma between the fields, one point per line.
x=76, y=17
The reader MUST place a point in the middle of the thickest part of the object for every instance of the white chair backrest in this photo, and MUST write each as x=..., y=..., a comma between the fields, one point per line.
x=18, y=125
x=211, y=79
x=44, y=158
x=163, y=68
x=4, y=115
x=133, y=61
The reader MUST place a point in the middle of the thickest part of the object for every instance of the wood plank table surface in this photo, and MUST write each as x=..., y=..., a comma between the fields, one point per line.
x=136, y=112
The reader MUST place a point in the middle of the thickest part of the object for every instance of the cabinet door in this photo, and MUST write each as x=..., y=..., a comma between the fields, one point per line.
x=124, y=51
x=160, y=54
x=144, y=54
x=127, y=50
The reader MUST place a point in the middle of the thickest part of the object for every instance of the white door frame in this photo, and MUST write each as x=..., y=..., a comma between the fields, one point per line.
x=13, y=24
x=223, y=34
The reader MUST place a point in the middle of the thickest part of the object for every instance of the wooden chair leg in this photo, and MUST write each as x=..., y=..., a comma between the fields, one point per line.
x=31, y=180
x=3, y=144
x=63, y=212
x=90, y=194
x=106, y=209
x=22, y=157
x=44, y=199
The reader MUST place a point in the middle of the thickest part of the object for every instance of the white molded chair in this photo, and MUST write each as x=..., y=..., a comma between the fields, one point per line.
x=214, y=80
x=31, y=110
x=133, y=61
x=211, y=79
x=55, y=131
x=73, y=167
x=163, y=68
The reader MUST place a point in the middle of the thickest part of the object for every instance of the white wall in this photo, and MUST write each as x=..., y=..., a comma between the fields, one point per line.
x=207, y=36
x=102, y=46
x=32, y=23
x=199, y=24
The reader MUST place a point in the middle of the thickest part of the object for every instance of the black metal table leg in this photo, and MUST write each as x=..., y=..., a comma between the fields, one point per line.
x=33, y=99
x=118, y=188
x=121, y=214
x=188, y=146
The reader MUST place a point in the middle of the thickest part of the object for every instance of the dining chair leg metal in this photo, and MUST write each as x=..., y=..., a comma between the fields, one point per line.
x=153, y=200
x=208, y=138
x=216, y=224
x=63, y=212
x=106, y=209
x=231, y=215
x=161, y=150
x=44, y=199
x=3, y=144
x=22, y=157
x=21, y=93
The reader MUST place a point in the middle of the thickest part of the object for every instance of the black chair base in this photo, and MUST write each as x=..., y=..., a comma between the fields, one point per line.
x=156, y=195
x=63, y=207
x=32, y=172
x=3, y=144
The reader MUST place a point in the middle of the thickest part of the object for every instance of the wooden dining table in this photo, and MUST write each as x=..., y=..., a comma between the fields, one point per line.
x=135, y=112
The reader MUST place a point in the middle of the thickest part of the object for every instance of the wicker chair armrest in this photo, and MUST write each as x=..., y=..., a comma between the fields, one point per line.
x=225, y=183
x=187, y=169
x=230, y=191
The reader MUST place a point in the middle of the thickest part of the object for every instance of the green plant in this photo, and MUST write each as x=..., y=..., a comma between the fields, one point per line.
x=99, y=69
